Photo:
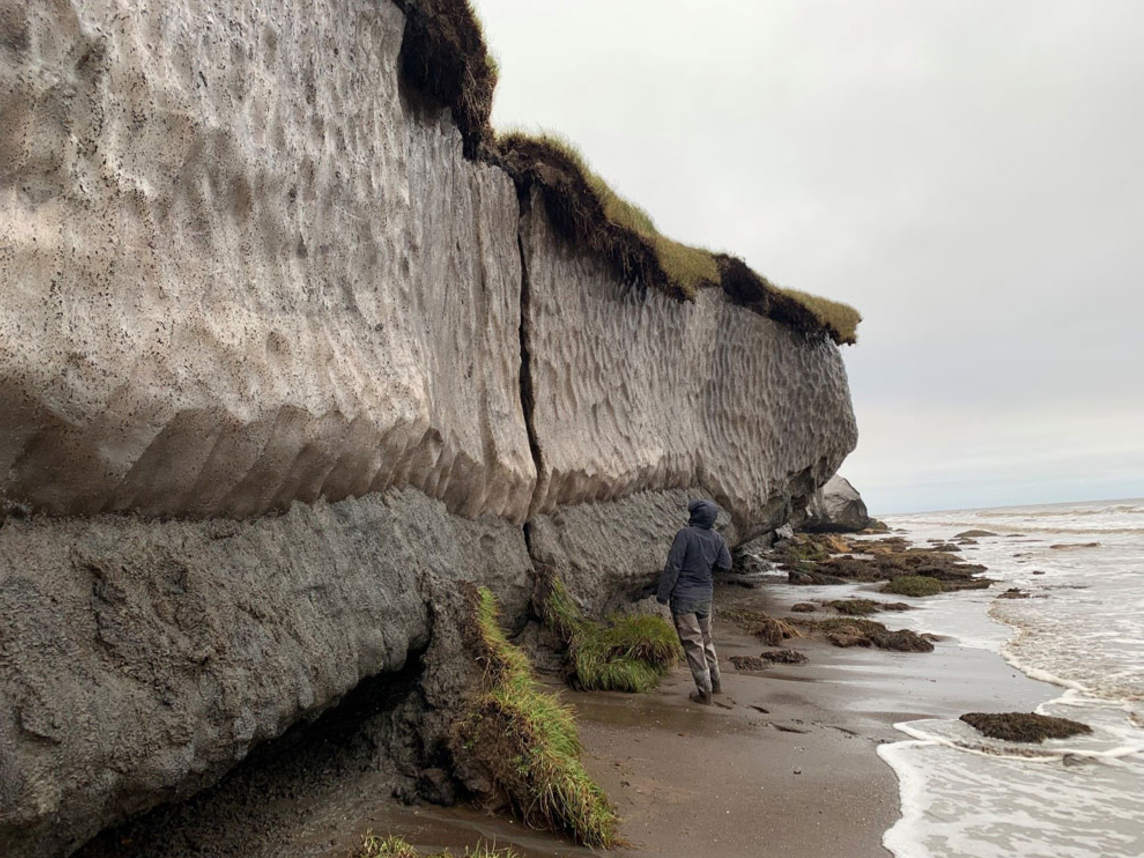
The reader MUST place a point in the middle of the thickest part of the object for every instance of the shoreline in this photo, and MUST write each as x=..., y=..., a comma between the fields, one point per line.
x=719, y=781
x=844, y=704
x=804, y=777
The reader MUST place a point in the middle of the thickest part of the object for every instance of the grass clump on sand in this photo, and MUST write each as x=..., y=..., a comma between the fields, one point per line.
x=527, y=742
x=1023, y=726
x=627, y=653
x=373, y=846
x=913, y=585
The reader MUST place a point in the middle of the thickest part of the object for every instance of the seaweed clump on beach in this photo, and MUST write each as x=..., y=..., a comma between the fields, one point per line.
x=392, y=846
x=913, y=585
x=629, y=652
x=770, y=630
x=525, y=741
x=749, y=663
x=855, y=607
x=809, y=559
x=854, y=631
x=1024, y=726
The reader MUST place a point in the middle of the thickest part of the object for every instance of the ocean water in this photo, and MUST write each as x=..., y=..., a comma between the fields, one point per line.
x=1082, y=629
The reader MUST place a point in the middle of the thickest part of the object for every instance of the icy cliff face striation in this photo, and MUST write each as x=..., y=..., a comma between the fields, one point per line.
x=634, y=392
x=238, y=273
x=141, y=660
x=262, y=386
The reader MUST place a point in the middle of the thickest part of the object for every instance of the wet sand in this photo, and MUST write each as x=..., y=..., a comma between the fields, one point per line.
x=802, y=778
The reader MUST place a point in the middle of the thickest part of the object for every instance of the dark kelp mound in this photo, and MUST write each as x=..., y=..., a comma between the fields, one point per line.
x=851, y=631
x=770, y=630
x=784, y=655
x=1023, y=726
x=855, y=607
x=811, y=559
x=913, y=585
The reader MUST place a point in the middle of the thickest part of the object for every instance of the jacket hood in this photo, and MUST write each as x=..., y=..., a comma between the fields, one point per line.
x=703, y=513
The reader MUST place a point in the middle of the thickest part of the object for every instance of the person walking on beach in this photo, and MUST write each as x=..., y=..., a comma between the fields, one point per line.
x=687, y=585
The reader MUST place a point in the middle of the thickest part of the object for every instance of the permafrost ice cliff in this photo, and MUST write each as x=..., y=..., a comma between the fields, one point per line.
x=279, y=366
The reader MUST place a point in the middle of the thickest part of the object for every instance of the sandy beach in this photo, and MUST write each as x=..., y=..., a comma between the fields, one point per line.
x=786, y=763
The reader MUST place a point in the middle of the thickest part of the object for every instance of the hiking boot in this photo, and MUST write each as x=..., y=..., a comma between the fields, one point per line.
x=703, y=697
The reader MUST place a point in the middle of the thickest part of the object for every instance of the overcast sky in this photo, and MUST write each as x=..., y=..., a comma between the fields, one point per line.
x=970, y=175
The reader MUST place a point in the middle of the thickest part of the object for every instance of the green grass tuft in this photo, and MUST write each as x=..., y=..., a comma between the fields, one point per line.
x=913, y=585
x=373, y=846
x=628, y=653
x=527, y=741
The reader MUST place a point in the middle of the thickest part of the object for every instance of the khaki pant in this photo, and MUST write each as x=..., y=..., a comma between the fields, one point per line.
x=695, y=635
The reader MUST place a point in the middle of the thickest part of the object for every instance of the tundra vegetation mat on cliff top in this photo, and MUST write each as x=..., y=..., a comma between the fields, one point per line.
x=526, y=741
x=445, y=56
x=627, y=653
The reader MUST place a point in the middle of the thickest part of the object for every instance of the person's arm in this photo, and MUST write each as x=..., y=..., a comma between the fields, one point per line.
x=723, y=561
x=671, y=568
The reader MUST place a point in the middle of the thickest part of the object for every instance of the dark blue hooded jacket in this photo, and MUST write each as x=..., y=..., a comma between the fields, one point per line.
x=686, y=581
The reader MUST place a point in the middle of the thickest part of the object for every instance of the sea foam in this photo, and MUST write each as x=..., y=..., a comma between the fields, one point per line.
x=964, y=795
